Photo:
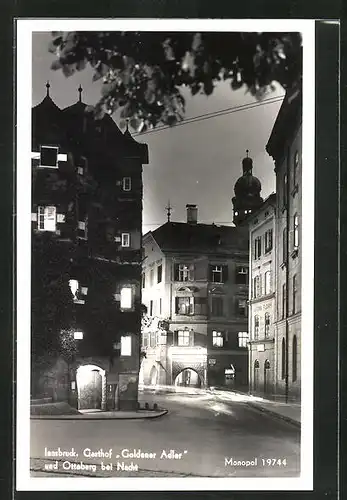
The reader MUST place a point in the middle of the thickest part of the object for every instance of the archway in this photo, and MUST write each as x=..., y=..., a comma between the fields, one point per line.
x=91, y=387
x=153, y=376
x=188, y=378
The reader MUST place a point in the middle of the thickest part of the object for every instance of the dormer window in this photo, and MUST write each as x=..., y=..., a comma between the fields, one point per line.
x=46, y=218
x=49, y=156
x=126, y=184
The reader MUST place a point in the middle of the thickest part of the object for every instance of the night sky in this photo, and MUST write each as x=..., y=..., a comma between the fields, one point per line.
x=191, y=163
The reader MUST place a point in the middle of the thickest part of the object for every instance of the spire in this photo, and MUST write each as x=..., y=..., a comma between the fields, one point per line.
x=47, y=87
x=168, y=210
x=247, y=164
x=80, y=90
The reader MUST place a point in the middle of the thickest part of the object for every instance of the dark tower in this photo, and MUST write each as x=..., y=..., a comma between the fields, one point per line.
x=247, y=189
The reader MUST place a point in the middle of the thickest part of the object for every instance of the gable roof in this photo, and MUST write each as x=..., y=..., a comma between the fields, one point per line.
x=201, y=238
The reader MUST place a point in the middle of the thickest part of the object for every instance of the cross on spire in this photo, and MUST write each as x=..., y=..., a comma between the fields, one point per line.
x=247, y=151
x=168, y=210
x=80, y=90
x=48, y=87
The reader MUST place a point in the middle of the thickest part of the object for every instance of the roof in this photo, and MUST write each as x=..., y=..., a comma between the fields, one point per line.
x=201, y=238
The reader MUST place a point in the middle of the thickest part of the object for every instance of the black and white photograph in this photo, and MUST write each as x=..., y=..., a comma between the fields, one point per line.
x=165, y=243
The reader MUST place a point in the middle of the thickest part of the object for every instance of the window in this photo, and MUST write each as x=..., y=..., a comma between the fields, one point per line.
x=183, y=338
x=217, y=274
x=257, y=247
x=82, y=229
x=184, y=272
x=295, y=293
x=296, y=232
x=185, y=305
x=241, y=275
x=283, y=370
x=143, y=280
x=49, y=156
x=126, y=184
x=285, y=187
x=243, y=339
x=296, y=169
x=294, y=359
x=217, y=339
x=78, y=335
x=159, y=273
x=241, y=307
x=256, y=327
x=125, y=345
x=268, y=240
x=284, y=300
x=217, y=306
x=46, y=217
x=267, y=282
x=160, y=306
x=151, y=277
x=267, y=324
x=284, y=245
x=151, y=307
x=81, y=164
x=126, y=297
x=125, y=240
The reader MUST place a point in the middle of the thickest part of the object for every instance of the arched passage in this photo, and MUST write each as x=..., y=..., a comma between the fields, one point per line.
x=91, y=387
x=188, y=378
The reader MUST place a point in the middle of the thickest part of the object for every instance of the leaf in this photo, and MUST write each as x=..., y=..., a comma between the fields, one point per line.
x=56, y=65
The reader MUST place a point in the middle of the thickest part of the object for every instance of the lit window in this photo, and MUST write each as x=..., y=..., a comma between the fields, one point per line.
x=217, y=339
x=217, y=274
x=243, y=339
x=241, y=275
x=126, y=183
x=296, y=231
x=184, y=272
x=125, y=240
x=46, y=217
x=74, y=287
x=125, y=345
x=183, y=338
x=185, y=305
x=126, y=297
x=78, y=335
x=49, y=156
x=236, y=214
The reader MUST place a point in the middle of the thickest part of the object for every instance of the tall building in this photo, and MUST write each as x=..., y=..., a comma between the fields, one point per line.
x=285, y=145
x=262, y=271
x=86, y=257
x=195, y=289
x=247, y=190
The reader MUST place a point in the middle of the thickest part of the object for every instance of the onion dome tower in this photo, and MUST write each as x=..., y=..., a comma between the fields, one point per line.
x=247, y=190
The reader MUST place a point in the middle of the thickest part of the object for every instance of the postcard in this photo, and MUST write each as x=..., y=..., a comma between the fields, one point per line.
x=164, y=259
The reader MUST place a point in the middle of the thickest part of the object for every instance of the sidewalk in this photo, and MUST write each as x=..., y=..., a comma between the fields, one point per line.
x=290, y=412
x=63, y=411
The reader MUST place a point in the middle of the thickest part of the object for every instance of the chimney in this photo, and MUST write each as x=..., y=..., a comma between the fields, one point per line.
x=192, y=214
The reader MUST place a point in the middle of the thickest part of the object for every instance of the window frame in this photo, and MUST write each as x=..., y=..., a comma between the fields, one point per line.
x=295, y=231
x=267, y=323
x=267, y=282
x=188, y=303
x=124, y=184
x=217, y=339
x=185, y=336
x=159, y=273
x=295, y=293
x=215, y=299
x=243, y=274
x=123, y=236
x=42, y=216
x=214, y=270
x=243, y=338
x=56, y=148
x=268, y=240
x=256, y=327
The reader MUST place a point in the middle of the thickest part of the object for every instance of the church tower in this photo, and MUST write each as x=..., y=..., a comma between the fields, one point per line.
x=247, y=190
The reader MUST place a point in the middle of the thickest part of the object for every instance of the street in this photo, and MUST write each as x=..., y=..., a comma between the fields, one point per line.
x=204, y=434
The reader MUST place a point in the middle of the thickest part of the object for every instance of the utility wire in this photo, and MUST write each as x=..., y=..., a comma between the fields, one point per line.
x=214, y=114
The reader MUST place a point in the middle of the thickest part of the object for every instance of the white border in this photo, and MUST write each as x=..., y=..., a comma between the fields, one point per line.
x=25, y=28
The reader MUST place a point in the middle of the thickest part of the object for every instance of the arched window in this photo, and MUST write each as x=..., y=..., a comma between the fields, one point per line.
x=267, y=324
x=295, y=359
x=267, y=365
x=283, y=371
x=256, y=375
x=256, y=364
x=256, y=327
